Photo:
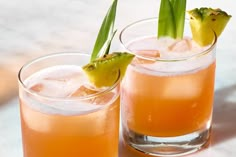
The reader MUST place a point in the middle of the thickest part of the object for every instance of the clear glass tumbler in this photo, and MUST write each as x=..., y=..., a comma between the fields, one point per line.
x=167, y=92
x=62, y=114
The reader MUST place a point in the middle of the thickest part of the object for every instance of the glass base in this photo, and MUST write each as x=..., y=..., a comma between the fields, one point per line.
x=169, y=146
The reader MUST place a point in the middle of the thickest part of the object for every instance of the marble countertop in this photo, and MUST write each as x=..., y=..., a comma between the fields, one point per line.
x=29, y=29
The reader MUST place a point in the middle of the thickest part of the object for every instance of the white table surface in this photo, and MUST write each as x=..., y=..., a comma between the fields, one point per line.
x=29, y=29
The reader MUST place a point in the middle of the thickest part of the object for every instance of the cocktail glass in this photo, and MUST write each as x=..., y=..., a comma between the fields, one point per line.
x=62, y=115
x=166, y=98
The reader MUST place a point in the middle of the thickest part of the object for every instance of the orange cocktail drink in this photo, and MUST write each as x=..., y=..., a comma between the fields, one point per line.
x=62, y=115
x=167, y=92
x=168, y=106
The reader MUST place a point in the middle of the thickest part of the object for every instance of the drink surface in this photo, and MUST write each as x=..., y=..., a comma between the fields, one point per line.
x=167, y=99
x=170, y=51
x=58, y=123
x=64, y=83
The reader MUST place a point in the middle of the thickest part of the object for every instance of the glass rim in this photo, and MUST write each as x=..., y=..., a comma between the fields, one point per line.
x=66, y=99
x=197, y=55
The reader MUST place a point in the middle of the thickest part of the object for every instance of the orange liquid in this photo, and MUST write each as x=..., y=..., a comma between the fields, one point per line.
x=88, y=135
x=167, y=106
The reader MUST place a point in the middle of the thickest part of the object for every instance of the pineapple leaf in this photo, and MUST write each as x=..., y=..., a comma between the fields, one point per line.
x=106, y=33
x=179, y=8
x=166, y=21
x=171, y=18
x=109, y=42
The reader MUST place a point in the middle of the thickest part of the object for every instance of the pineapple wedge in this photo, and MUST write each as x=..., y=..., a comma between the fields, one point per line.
x=106, y=70
x=204, y=20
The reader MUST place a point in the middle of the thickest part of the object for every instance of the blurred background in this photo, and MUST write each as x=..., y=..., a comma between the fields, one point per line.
x=29, y=29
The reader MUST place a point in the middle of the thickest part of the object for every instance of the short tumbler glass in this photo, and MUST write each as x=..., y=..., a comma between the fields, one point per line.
x=86, y=125
x=166, y=102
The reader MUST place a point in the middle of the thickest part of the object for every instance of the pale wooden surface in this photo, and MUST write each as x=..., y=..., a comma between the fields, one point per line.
x=32, y=28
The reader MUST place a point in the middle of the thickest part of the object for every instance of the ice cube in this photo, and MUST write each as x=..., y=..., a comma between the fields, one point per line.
x=52, y=88
x=152, y=54
x=83, y=91
x=149, y=53
x=182, y=87
x=103, y=99
x=57, y=87
x=58, y=81
x=183, y=45
x=100, y=99
x=37, y=87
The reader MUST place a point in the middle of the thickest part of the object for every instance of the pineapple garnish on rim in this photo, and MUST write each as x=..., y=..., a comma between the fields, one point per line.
x=202, y=21
x=104, y=69
x=205, y=20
